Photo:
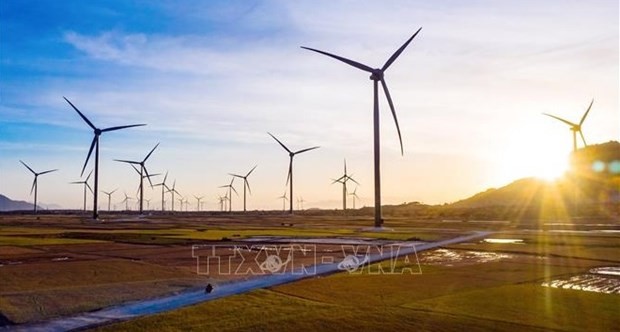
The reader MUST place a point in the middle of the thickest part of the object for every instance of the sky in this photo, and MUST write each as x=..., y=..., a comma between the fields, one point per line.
x=211, y=78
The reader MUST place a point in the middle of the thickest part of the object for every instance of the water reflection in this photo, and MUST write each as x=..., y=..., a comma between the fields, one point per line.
x=599, y=280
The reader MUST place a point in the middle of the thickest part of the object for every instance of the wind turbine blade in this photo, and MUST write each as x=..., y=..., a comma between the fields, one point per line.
x=134, y=167
x=352, y=179
x=77, y=182
x=148, y=155
x=148, y=177
x=34, y=184
x=308, y=149
x=389, y=98
x=165, y=177
x=236, y=175
x=399, y=51
x=250, y=172
x=90, y=151
x=282, y=144
x=345, y=60
x=28, y=167
x=583, y=139
x=248, y=185
x=81, y=115
x=88, y=177
x=122, y=127
x=89, y=188
x=558, y=118
x=586, y=114
x=52, y=170
x=113, y=191
x=233, y=189
x=290, y=171
x=128, y=161
x=345, y=166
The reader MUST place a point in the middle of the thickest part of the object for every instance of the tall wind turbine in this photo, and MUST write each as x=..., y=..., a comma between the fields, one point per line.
x=142, y=172
x=343, y=179
x=95, y=143
x=109, y=196
x=229, y=197
x=289, y=178
x=245, y=183
x=163, y=187
x=377, y=75
x=85, y=183
x=35, y=182
x=574, y=127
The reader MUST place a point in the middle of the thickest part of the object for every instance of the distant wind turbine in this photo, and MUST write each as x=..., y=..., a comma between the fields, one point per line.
x=198, y=202
x=173, y=191
x=289, y=178
x=35, y=182
x=354, y=196
x=109, y=196
x=284, y=199
x=221, y=200
x=343, y=179
x=574, y=127
x=85, y=183
x=229, y=194
x=163, y=188
x=126, y=201
x=245, y=183
x=377, y=75
x=143, y=171
x=95, y=143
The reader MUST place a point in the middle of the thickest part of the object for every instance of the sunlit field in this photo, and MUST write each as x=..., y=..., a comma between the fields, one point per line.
x=60, y=265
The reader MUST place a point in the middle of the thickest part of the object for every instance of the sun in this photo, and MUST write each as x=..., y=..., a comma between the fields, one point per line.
x=535, y=158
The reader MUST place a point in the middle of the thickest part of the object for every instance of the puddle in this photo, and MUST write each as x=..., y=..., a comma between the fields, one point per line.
x=504, y=241
x=447, y=257
x=597, y=283
x=59, y=259
x=607, y=270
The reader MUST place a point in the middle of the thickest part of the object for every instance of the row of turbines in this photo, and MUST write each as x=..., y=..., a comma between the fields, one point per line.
x=377, y=76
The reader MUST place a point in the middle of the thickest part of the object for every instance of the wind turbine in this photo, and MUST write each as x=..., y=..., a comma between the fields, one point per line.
x=148, y=204
x=245, y=183
x=109, y=196
x=343, y=179
x=574, y=127
x=95, y=143
x=181, y=200
x=35, y=185
x=301, y=200
x=377, y=75
x=126, y=201
x=173, y=191
x=284, y=199
x=143, y=171
x=229, y=197
x=289, y=178
x=354, y=195
x=163, y=186
x=221, y=200
x=198, y=202
x=85, y=183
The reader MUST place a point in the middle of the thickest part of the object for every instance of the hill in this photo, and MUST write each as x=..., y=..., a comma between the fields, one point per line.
x=7, y=204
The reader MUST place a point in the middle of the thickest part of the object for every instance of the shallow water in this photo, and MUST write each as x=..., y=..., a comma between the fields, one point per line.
x=598, y=283
x=504, y=241
x=447, y=257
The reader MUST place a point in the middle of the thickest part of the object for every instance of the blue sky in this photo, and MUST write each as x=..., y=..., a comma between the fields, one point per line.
x=210, y=78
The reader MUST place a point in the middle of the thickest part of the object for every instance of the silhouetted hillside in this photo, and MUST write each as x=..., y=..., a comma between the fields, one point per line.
x=7, y=204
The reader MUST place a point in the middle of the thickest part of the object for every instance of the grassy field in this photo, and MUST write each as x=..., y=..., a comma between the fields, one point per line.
x=61, y=265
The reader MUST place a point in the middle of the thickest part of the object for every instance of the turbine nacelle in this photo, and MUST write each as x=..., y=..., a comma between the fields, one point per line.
x=377, y=74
